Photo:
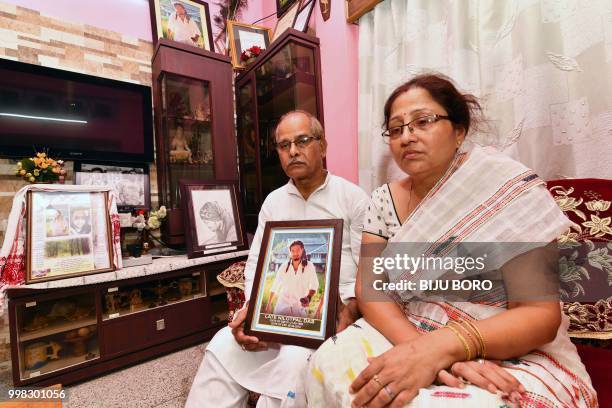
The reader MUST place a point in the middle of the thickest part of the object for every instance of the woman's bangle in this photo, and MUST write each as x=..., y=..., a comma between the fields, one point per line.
x=472, y=339
x=480, y=338
x=466, y=346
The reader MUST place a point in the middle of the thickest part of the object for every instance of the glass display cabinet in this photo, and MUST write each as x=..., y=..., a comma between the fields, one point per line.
x=194, y=124
x=285, y=77
x=55, y=334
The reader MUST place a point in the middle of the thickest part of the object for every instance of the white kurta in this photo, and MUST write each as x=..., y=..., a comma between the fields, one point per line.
x=290, y=286
x=278, y=372
x=183, y=30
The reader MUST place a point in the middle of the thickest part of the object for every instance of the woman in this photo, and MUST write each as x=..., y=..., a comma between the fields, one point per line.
x=219, y=221
x=454, y=194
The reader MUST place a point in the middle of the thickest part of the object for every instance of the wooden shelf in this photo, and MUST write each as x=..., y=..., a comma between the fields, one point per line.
x=61, y=364
x=56, y=328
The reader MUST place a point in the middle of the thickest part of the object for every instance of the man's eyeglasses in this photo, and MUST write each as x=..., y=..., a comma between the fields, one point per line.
x=300, y=142
x=421, y=124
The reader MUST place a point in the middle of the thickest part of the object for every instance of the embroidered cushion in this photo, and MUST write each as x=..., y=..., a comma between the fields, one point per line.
x=586, y=256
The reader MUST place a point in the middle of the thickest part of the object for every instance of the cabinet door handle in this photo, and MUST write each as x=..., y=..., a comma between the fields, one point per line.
x=160, y=324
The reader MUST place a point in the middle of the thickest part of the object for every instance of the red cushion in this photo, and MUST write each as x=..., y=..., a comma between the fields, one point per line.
x=598, y=363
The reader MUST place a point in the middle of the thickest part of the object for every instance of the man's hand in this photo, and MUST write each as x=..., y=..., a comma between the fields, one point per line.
x=249, y=343
x=347, y=314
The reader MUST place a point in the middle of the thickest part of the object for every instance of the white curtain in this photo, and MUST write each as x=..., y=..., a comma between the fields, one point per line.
x=542, y=68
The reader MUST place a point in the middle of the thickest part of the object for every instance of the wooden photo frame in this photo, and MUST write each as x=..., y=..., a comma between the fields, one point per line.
x=184, y=21
x=283, y=5
x=244, y=36
x=302, y=319
x=68, y=234
x=303, y=16
x=286, y=21
x=130, y=182
x=213, y=217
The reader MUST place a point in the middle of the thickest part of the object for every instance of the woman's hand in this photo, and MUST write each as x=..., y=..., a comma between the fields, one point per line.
x=395, y=377
x=486, y=374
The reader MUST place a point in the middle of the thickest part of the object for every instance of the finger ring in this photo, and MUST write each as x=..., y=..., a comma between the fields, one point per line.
x=480, y=361
x=388, y=391
x=243, y=347
x=377, y=379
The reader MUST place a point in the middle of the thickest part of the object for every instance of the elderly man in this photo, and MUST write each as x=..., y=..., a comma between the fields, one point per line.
x=235, y=363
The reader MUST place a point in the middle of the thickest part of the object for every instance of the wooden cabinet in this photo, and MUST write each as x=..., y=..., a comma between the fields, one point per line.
x=194, y=123
x=66, y=335
x=285, y=77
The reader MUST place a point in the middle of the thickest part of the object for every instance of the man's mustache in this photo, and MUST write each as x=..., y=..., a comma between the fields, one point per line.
x=291, y=163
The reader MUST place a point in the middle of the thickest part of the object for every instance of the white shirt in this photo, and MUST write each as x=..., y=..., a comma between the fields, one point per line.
x=335, y=198
x=183, y=30
x=291, y=285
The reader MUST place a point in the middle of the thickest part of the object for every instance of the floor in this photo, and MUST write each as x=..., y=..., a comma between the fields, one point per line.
x=161, y=383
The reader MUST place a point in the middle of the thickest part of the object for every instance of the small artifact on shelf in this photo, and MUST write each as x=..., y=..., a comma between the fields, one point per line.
x=62, y=309
x=80, y=312
x=135, y=298
x=78, y=342
x=185, y=286
x=112, y=302
x=201, y=113
x=37, y=354
x=38, y=322
x=173, y=293
x=179, y=148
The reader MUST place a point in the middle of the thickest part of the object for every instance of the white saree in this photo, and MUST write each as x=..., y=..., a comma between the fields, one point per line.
x=483, y=197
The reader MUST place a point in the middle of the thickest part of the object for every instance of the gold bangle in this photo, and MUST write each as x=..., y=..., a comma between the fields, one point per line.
x=473, y=340
x=466, y=346
x=480, y=338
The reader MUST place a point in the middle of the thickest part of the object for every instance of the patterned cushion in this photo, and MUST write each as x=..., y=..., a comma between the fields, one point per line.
x=233, y=280
x=586, y=255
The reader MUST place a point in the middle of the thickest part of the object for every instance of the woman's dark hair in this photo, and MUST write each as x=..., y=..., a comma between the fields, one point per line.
x=463, y=110
x=304, y=259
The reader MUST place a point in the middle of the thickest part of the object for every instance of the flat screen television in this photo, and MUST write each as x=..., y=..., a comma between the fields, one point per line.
x=73, y=116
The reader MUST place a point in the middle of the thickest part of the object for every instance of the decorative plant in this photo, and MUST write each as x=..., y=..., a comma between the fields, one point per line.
x=151, y=222
x=228, y=10
x=250, y=54
x=41, y=169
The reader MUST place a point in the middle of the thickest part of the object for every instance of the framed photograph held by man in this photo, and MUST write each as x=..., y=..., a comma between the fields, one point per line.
x=295, y=291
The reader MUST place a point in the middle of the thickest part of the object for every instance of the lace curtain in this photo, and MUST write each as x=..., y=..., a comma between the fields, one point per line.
x=542, y=68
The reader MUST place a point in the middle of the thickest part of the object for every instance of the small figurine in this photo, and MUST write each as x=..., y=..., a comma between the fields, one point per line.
x=112, y=302
x=173, y=293
x=179, y=148
x=185, y=286
x=62, y=309
x=135, y=298
x=201, y=113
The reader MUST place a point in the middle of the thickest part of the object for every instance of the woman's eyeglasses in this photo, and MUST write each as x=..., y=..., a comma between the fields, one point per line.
x=300, y=142
x=421, y=124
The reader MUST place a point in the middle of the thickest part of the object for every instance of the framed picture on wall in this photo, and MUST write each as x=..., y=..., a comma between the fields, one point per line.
x=286, y=21
x=130, y=183
x=303, y=16
x=295, y=292
x=68, y=234
x=212, y=217
x=244, y=36
x=184, y=21
x=283, y=5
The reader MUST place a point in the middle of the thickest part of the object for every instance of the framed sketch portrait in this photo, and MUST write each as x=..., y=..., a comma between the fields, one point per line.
x=244, y=36
x=184, y=21
x=295, y=292
x=303, y=15
x=68, y=234
x=286, y=21
x=212, y=217
x=283, y=5
x=130, y=184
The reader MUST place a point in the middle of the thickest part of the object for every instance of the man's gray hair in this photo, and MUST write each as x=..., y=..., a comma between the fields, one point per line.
x=316, y=129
